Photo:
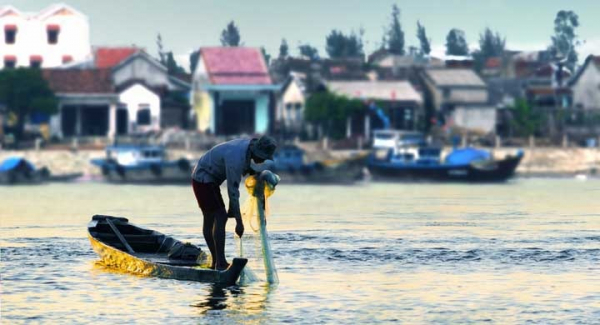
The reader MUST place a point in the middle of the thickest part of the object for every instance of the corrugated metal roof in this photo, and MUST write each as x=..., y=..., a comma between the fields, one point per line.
x=381, y=90
x=455, y=77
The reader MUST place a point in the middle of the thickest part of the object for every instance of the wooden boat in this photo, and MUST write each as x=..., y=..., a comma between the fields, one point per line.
x=132, y=249
x=17, y=170
x=125, y=163
x=290, y=166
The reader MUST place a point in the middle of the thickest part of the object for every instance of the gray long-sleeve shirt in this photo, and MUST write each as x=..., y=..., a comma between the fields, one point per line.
x=226, y=161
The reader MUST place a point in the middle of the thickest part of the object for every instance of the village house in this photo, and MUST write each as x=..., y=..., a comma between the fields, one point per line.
x=397, y=97
x=117, y=92
x=232, y=91
x=585, y=85
x=459, y=98
x=289, y=114
x=52, y=37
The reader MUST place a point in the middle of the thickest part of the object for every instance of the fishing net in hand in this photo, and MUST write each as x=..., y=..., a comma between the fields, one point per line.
x=254, y=245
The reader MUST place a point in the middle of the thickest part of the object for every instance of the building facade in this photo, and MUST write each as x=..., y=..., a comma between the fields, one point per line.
x=50, y=38
x=232, y=91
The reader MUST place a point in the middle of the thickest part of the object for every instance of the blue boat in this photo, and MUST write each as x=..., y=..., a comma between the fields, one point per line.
x=142, y=164
x=417, y=161
x=18, y=170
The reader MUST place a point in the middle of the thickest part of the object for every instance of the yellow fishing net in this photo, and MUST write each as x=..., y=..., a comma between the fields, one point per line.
x=255, y=244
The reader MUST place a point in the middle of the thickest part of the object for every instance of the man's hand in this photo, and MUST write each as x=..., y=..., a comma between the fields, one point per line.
x=239, y=227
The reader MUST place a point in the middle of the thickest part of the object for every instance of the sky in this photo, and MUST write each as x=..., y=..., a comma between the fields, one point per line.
x=186, y=25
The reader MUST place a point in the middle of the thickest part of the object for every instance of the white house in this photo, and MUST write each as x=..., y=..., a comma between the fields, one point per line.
x=142, y=110
x=54, y=36
x=290, y=109
x=586, y=85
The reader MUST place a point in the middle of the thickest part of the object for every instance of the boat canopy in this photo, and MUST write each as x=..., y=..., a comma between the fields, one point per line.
x=466, y=156
x=13, y=162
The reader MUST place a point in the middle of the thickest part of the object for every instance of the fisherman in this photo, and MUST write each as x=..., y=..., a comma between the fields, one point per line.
x=227, y=161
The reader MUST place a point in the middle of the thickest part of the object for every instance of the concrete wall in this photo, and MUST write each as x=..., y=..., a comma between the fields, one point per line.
x=587, y=90
x=132, y=98
x=31, y=37
x=141, y=69
x=481, y=119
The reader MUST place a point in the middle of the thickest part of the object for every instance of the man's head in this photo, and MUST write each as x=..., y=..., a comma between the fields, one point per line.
x=263, y=149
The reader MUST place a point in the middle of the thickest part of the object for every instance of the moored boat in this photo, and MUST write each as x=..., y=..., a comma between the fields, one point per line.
x=417, y=161
x=290, y=165
x=142, y=164
x=17, y=170
x=132, y=249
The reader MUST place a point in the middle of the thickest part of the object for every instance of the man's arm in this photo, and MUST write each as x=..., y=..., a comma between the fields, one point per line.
x=234, y=177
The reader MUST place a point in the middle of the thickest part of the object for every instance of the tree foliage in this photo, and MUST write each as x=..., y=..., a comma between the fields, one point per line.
x=265, y=55
x=172, y=66
x=230, y=36
x=161, y=51
x=194, y=56
x=423, y=40
x=339, y=45
x=490, y=45
x=456, y=43
x=24, y=91
x=395, y=35
x=526, y=121
x=331, y=111
x=565, y=40
x=284, y=49
x=308, y=51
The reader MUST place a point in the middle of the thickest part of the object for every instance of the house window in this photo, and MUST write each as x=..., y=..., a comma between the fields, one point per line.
x=66, y=59
x=35, y=61
x=10, y=61
x=10, y=34
x=143, y=115
x=52, y=32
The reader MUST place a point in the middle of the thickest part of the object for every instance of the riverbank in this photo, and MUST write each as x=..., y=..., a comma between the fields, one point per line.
x=558, y=162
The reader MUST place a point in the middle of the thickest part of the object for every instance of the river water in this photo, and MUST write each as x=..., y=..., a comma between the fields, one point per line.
x=523, y=252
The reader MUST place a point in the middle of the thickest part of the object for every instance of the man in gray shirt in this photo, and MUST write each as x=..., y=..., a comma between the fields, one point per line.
x=227, y=161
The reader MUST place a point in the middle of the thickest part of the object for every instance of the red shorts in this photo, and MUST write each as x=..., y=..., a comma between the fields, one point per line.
x=208, y=196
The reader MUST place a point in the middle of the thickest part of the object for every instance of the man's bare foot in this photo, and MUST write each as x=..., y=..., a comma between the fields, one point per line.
x=222, y=267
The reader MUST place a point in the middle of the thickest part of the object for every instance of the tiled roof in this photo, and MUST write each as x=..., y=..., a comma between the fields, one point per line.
x=381, y=90
x=235, y=66
x=108, y=57
x=76, y=81
x=455, y=77
x=492, y=63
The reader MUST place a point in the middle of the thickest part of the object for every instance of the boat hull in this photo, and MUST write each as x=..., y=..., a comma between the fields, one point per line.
x=177, y=172
x=490, y=171
x=342, y=172
x=156, y=265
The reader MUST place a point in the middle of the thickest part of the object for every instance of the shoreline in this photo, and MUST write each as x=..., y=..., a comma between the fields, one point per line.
x=537, y=162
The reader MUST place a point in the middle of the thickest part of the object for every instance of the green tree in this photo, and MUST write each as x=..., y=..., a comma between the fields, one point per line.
x=456, y=43
x=265, y=55
x=308, y=51
x=230, y=36
x=24, y=91
x=526, y=121
x=172, y=65
x=331, y=111
x=194, y=56
x=565, y=40
x=283, y=49
x=395, y=39
x=161, y=52
x=423, y=40
x=490, y=45
x=339, y=45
